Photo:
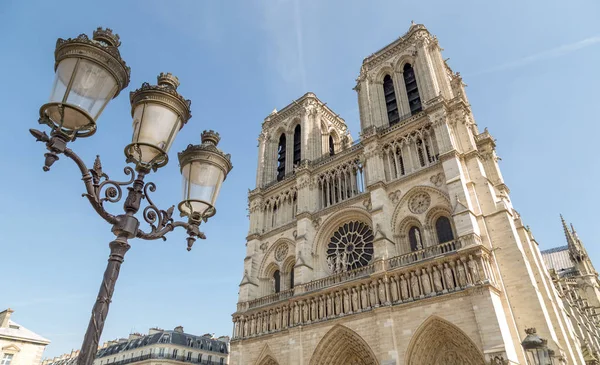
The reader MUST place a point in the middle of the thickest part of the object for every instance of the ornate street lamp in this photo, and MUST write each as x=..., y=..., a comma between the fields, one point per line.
x=89, y=73
x=536, y=349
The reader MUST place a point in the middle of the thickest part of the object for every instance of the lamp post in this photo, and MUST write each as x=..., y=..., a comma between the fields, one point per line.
x=89, y=73
x=536, y=349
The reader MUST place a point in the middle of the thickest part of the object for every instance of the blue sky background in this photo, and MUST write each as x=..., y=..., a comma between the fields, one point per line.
x=532, y=74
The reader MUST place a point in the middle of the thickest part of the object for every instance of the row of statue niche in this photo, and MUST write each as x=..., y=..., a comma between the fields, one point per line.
x=338, y=262
x=383, y=291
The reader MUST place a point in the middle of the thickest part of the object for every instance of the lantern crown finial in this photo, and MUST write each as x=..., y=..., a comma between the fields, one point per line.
x=168, y=80
x=107, y=36
x=210, y=137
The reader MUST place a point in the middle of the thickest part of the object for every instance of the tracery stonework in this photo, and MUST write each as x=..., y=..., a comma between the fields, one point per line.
x=419, y=203
x=281, y=251
x=350, y=247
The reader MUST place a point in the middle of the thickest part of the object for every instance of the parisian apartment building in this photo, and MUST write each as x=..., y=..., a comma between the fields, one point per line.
x=158, y=347
x=404, y=246
x=19, y=345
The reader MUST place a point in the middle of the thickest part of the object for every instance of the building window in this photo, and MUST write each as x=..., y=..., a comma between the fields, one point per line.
x=199, y=357
x=7, y=359
x=209, y=358
x=174, y=353
x=297, y=144
x=331, y=146
x=189, y=356
x=350, y=247
x=391, y=104
x=277, y=281
x=292, y=278
x=415, y=238
x=222, y=361
x=281, y=158
x=444, y=230
x=412, y=90
x=161, y=352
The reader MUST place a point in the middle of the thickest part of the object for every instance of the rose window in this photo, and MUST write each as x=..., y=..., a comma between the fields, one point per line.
x=350, y=247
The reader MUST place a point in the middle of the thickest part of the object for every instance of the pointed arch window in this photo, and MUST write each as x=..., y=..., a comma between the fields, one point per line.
x=281, y=158
x=277, y=281
x=292, y=278
x=443, y=229
x=331, y=146
x=412, y=90
x=415, y=238
x=297, y=144
x=391, y=104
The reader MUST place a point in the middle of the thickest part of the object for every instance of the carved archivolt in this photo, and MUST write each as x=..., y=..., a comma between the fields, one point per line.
x=437, y=198
x=439, y=342
x=342, y=346
x=269, y=264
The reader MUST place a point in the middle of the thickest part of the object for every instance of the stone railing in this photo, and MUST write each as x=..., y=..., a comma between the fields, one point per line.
x=442, y=275
x=336, y=279
x=271, y=298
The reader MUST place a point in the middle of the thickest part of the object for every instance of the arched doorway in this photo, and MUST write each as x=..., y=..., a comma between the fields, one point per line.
x=268, y=361
x=439, y=342
x=342, y=346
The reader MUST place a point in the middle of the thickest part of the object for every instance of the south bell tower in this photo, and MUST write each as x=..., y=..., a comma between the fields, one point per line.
x=401, y=248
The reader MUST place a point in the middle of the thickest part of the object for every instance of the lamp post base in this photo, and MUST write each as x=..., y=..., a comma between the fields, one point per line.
x=89, y=348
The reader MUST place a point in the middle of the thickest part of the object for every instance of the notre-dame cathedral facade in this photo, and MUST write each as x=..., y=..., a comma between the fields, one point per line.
x=402, y=247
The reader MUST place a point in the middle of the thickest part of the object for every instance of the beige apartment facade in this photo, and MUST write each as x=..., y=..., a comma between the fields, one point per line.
x=18, y=345
x=402, y=247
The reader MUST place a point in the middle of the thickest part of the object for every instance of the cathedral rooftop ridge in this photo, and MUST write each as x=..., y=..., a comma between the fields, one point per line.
x=377, y=56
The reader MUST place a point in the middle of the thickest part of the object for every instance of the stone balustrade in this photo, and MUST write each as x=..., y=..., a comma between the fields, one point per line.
x=340, y=295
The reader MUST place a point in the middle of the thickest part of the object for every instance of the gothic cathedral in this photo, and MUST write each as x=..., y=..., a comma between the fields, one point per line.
x=402, y=247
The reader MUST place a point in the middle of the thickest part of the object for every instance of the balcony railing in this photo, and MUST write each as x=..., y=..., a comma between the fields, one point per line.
x=403, y=260
x=182, y=358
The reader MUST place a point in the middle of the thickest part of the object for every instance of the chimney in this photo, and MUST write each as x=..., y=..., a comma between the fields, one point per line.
x=134, y=336
x=178, y=329
x=154, y=330
x=5, y=317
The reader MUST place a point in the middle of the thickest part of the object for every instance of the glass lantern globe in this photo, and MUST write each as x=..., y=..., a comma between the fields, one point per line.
x=204, y=168
x=89, y=73
x=536, y=348
x=158, y=112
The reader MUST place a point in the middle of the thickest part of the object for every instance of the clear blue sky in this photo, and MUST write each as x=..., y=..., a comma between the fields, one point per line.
x=532, y=74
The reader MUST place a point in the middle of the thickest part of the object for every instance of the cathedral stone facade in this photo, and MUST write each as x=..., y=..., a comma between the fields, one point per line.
x=402, y=247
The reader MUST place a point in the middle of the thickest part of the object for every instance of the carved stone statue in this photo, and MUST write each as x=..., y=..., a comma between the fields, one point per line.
x=373, y=295
x=437, y=280
x=381, y=292
x=246, y=332
x=394, y=289
x=313, y=310
x=271, y=320
x=414, y=285
x=305, y=311
x=321, y=307
x=338, y=263
x=265, y=321
x=285, y=318
x=344, y=262
x=331, y=264
x=418, y=239
x=425, y=282
x=347, y=308
x=296, y=318
x=273, y=287
x=473, y=270
x=338, y=304
x=329, y=305
x=462, y=275
x=448, y=277
x=254, y=321
x=404, y=287
x=277, y=318
x=364, y=302
x=355, y=306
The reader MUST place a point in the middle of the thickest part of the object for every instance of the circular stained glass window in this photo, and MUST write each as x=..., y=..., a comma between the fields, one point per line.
x=350, y=247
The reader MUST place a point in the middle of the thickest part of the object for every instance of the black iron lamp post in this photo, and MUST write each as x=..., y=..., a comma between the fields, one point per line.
x=89, y=73
x=537, y=351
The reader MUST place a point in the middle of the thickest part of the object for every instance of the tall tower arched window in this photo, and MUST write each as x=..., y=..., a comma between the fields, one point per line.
x=391, y=104
x=297, y=144
x=277, y=281
x=443, y=230
x=331, y=146
x=415, y=238
x=412, y=90
x=292, y=278
x=281, y=158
